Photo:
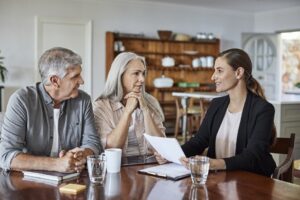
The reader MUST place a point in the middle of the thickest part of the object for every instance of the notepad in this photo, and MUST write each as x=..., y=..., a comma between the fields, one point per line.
x=170, y=171
x=72, y=188
x=49, y=175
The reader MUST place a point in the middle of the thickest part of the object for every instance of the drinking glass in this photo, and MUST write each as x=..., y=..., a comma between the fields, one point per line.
x=96, y=168
x=199, y=166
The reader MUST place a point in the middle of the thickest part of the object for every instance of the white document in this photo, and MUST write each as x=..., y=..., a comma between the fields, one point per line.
x=168, y=148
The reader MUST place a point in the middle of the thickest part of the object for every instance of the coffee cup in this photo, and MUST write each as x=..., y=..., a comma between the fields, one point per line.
x=113, y=159
x=210, y=61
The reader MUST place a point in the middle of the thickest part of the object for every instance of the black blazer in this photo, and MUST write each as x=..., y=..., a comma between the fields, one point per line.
x=253, y=139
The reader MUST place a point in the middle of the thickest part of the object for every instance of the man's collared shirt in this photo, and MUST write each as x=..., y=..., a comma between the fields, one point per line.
x=28, y=124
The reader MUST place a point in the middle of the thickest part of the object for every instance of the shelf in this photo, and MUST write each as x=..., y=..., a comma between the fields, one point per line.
x=177, y=68
x=167, y=41
x=168, y=53
x=203, y=88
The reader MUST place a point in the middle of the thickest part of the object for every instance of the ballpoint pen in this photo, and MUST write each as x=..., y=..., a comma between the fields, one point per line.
x=158, y=174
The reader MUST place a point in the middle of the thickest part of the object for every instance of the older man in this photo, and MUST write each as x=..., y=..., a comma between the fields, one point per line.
x=50, y=126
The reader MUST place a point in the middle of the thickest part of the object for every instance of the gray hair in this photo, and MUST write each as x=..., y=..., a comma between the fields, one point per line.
x=56, y=61
x=113, y=88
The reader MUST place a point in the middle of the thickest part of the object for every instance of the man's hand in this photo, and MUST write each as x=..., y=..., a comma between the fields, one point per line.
x=66, y=162
x=78, y=158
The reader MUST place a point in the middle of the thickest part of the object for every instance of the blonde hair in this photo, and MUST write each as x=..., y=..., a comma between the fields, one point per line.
x=113, y=88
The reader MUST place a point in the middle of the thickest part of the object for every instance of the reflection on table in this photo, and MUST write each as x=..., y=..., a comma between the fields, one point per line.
x=129, y=184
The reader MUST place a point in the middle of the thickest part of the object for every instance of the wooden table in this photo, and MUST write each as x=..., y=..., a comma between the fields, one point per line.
x=130, y=185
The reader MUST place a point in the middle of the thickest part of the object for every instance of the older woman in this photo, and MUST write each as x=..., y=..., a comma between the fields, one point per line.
x=124, y=111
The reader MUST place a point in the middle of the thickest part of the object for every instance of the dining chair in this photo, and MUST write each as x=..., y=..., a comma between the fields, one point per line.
x=296, y=172
x=284, y=171
x=194, y=114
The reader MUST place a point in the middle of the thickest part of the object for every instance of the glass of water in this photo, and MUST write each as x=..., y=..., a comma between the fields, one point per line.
x=96, y=168
x=199, y=166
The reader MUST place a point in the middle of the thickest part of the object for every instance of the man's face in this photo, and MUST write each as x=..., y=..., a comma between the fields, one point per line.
x=70, y=83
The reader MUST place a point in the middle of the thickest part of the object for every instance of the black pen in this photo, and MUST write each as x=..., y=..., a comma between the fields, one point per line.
x=159, y=174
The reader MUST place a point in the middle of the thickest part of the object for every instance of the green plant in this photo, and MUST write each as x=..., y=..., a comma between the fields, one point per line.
x=3, y=70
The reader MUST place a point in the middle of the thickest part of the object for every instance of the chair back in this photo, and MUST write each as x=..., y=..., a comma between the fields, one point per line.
x=284, y=171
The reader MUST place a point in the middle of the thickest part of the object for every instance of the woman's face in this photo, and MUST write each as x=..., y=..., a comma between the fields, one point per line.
x=133, y=78
x=224, y=76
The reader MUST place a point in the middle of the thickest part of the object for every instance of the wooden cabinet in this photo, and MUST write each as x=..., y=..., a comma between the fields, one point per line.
x=154, y=50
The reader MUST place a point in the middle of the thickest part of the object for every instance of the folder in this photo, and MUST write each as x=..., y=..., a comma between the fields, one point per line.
x=171, y=171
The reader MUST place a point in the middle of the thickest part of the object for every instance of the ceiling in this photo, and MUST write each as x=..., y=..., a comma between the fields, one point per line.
x=251, y=6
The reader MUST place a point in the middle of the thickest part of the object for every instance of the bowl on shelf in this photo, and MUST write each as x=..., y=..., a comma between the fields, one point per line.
x=164, y=34
x=163, y=82
x=182, y=37
x=168, y=61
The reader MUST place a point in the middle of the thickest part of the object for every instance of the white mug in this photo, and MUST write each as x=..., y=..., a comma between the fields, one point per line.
x=210, y=61
x=196, y=62
x=113, y=160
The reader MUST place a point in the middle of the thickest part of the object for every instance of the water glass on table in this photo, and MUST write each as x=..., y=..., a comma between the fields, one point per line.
x=199, y=166
x=96, y=168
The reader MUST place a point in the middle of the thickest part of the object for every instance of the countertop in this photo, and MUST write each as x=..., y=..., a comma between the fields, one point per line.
x=286, y=99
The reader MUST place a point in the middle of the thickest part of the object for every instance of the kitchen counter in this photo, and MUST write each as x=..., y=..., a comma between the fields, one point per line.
x=286, y=99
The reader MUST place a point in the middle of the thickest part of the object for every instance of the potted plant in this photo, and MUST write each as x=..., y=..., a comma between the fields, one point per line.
x=3, y=70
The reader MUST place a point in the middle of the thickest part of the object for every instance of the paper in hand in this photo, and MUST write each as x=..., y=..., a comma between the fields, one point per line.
x=168, y=148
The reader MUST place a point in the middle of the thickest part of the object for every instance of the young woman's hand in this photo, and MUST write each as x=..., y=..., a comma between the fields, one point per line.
x=159, y=158
x=185, y=162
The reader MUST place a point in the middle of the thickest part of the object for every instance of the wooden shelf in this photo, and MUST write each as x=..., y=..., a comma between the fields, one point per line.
x=177, y=68
x=216, y=40
x=204, y=88
x=194, y=55
x=154, y=49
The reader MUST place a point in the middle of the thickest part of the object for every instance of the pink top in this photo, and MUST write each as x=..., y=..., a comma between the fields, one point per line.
x=107, y=116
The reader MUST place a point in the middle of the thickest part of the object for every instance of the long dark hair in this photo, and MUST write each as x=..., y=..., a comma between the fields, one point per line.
x=238, y=58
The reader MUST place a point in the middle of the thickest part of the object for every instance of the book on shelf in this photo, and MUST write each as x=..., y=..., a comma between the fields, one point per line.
x=50, y=176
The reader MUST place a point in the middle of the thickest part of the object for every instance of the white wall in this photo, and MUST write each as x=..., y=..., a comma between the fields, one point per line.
x=278, y=20
x=17, y=28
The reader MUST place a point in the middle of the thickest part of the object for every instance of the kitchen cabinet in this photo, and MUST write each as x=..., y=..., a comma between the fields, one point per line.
x=154, y=50
x=287, y=121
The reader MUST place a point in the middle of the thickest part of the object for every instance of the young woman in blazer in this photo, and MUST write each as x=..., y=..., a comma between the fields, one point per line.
x=238, y=128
